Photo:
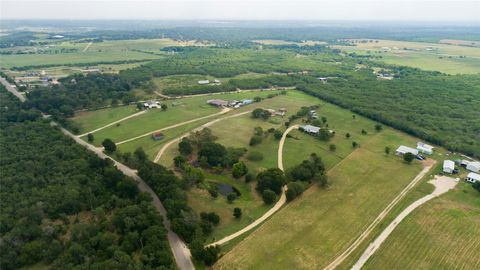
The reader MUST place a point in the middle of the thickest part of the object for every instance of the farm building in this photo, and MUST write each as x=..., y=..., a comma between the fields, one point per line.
x=425, y=148
x=464, y=163
x=157, y=136
x=281, y=112
x=402, y=150
x=473, y=177
x=448, y=166
x=217, y=102
x=203, y=82
x=246, y=101
x=151, y=104
x=474, y=166
x=310, y=129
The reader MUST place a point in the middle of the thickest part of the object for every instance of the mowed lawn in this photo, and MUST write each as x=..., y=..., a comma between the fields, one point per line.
x=442, y=234
x=90, y=120
x=315, y=228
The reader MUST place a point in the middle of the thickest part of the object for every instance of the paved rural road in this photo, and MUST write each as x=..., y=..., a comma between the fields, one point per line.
x=442, y=185
x=427, y=166
x=12, y=89
x=113, y=123
x=275, y=208
x=223, y=111
x=179, y=249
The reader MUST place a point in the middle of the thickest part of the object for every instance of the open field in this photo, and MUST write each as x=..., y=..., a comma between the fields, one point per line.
x=442, y=234
x=90, y=120
x=321, y=223
x=470, y=43
x=251, y=204
x=286, y=42
x=445, y=58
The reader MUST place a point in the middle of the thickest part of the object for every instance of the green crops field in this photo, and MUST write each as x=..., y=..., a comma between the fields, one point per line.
x=322, y=223
x=90, y=120
x=442, y=234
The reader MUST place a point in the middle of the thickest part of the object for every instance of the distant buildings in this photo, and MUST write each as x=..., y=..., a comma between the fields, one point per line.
x=232, y=103
x=217, y=102
x=151, y=104
x=473, y=166
x=402, y=150
x=205, y=82
x=448, y=166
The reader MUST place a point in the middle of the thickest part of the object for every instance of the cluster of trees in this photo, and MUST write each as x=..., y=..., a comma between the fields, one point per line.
x=70, y=209
x=435, y=107
x=311, y=170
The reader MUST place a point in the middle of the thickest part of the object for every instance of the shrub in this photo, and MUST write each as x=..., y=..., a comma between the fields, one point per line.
x=254, y=156
x=268, y=196
x=278, y=134
x=255, y=140
x=237, y=212
x=239, y=169
x=231, y=197
x=249, y=177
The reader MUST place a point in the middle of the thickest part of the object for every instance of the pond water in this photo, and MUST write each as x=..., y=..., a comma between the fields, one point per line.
x=226, y=189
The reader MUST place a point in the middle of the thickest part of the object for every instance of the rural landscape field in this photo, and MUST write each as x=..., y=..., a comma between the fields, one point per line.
x=281, y=140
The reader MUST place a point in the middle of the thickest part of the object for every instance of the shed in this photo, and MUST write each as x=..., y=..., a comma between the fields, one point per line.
x=448, y=166
x=157, y=136
x=425, y=148
x=310, y=129
x=464, y=163
x=217, y=102
x=203, y=82
x=402, y=150
x=474, y=166
x=246, y=101
x=473, y=177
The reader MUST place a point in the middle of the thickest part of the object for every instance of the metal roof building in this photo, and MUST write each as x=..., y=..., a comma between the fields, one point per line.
x=402, y=150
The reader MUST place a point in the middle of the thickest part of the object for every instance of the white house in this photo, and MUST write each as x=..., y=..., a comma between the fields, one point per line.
x=311, y=129
x=473, y=177
x=203, y=82
x=402, y=150
x=152, y=104
x=473, y=166
x=425, y=148
x=448, y=166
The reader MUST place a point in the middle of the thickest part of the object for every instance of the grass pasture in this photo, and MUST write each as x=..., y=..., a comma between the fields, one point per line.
x=90, y=120
x=447, y=58
x=309, y=232
x=442, y=234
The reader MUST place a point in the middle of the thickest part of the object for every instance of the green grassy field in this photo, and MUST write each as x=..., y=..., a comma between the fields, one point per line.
x=451, y=59
x=322, y=223
x=251, y=204
x=442, y=234
x=90, y=120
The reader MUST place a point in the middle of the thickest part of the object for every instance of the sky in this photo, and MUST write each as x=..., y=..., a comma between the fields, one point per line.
x=316, y=10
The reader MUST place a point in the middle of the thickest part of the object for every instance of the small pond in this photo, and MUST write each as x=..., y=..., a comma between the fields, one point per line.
x=226, y=189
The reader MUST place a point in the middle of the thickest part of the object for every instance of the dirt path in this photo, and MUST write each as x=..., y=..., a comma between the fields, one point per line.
x=225, y=110
x=427, y=166
x=442, y=185
x=87, y=47
x=271, y=211
x=12, y=89
x=165, y=146
x=113, y=123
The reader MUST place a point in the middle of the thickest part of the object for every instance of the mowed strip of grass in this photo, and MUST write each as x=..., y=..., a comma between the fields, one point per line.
x=252, y=205
x=90, y=120
x=442, y=234
x=315, y=228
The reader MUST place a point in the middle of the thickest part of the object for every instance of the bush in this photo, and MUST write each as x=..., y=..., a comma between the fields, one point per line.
x=333, y=147
x=294, y=190
x=255, y=140
x=408, y=157
x=237, y=212
x=239, y=169
x=211, y=217
x=278, y=134
x=90, y=137
x=254, y=156
x=109, y=146
x=249, y=177
x=231, y=197
x=272, y=179
x=268, y=196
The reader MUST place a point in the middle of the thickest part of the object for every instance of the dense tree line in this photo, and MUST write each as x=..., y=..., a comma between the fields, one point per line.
x=439, y=108
x=65, y=207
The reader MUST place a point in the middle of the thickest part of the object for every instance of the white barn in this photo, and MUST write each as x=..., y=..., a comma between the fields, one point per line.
x=402, y=150
x=448, y=166
x=473, y=166
x=203, y=82
x=473, y=177
x=311, y=129
x=424, y=148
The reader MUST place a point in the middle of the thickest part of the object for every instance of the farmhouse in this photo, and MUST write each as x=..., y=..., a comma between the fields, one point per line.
x=424, y=148
x=448, y=166
x=473, y=177
x=203, y=82
x=281, y=112
x=151, y=104
x=310, y=129
x=217, y=102
x=402, y=150
x=474, y=166
x=157, y=136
